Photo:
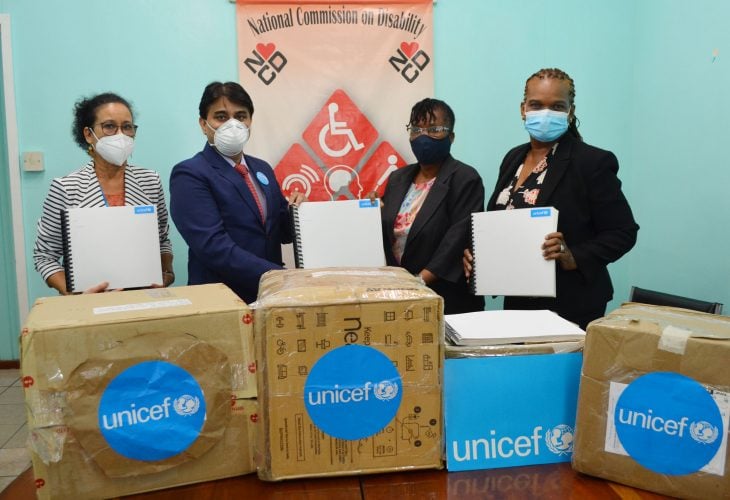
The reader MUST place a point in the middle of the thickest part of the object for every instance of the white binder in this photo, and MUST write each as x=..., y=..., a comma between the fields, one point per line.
x=120, y=245
x=506, y=245
x=344, y=233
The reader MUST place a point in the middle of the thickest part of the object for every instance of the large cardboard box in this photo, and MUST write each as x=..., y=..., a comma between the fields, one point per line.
x=654, y=401
x=349, y=372
x=510, y=405
x=138, y=390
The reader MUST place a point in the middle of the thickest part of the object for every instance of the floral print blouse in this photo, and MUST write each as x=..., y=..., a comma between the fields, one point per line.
x=526, y=195
x=412, y=203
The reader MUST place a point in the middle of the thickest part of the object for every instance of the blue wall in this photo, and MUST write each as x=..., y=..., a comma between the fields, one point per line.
x=10, y=325
x=646, y=85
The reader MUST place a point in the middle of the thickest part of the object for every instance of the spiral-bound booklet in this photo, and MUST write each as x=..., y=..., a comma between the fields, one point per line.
x=343, y=233
x=506, y=245
x=120, y=245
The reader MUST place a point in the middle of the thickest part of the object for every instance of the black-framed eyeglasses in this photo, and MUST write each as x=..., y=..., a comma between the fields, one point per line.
x=435, y=131
x=111, y=128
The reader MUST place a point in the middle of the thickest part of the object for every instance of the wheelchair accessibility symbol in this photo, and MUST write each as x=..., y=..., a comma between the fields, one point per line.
x=341, y=160
x=340, y=133
x=337, y=128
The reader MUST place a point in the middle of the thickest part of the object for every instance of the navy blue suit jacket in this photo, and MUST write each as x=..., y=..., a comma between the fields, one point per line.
x=217, y=216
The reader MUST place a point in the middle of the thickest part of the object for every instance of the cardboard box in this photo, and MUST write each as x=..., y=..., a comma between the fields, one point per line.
x=349, y=372
x=654, y=401
x=138, y=390
x=512, y=407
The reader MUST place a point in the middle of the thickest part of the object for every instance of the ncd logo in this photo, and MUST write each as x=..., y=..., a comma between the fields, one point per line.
x=557, y=440
x=151, y=411
x=668, y=423
x=353, y=392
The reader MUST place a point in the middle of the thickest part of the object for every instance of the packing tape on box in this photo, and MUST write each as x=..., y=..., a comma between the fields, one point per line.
x=150, y=403
x=707, y=326
x=674, y=339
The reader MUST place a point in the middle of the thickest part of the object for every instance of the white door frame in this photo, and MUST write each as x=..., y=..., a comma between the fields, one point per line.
x=11, y=130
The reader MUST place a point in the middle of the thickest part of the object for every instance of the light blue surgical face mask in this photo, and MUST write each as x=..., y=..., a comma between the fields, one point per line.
x=546, y=125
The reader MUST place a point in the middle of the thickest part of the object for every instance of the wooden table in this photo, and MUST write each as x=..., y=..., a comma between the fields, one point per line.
x=557, y=481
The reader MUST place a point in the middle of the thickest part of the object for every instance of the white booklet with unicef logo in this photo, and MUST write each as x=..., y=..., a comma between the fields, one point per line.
x=506, y=246
x=509, y=327
x=345, y=233
x=120, y=245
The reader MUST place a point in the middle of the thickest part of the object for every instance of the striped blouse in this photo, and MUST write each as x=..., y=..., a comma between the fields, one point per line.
x=82, y=189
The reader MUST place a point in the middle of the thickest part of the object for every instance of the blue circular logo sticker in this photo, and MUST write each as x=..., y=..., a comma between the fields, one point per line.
x=353, y=392
x=262, y=178
x=668, y=423
x=151, y=411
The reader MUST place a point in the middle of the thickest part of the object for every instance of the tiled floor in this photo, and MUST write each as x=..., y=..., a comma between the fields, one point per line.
x=14, y=457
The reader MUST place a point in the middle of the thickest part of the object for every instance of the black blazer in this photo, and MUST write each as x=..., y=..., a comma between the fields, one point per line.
x=594, y=217
x=441, y=230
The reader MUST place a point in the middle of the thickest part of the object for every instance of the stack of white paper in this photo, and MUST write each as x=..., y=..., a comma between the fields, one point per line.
x=509, y=327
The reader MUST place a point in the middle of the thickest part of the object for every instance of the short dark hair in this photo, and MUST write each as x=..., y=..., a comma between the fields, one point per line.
x=424, y=111
x=85, y=114
x=231, y=90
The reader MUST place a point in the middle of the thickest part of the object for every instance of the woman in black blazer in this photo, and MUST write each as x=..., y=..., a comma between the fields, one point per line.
x=556, y=168
x=427, y=208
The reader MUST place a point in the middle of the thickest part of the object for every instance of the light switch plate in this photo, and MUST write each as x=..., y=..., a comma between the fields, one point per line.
x=33, y=161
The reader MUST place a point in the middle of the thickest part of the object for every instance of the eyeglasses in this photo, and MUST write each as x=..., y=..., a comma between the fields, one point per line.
x=435, y=131
x=111, y=128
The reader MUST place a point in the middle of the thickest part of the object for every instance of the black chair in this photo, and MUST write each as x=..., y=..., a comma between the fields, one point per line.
x=645, y=296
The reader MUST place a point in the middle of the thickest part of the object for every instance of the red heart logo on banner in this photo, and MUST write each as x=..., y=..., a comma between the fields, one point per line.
x=409, y=48
x=265, y=49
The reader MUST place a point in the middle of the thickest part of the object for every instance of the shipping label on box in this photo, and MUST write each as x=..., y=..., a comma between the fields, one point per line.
x=510, y=411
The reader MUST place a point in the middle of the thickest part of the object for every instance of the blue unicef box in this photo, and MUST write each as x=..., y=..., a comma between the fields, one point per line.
x=506, y=411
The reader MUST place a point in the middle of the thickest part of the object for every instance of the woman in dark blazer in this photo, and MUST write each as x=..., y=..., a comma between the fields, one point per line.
x=427, y=208
x=556, y=168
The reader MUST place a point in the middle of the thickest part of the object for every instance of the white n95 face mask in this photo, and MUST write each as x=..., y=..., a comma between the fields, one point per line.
x=231, y=137
x=115, y=149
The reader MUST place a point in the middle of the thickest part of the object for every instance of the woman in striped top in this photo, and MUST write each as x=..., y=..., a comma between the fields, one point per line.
x=104, y=127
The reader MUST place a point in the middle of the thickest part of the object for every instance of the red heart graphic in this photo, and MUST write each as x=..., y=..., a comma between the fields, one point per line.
x=409, y=48
x=40, y=483
x=265, y=49
x=254, y=418
x=27, y=381
x=252, y=367
x=247, y=319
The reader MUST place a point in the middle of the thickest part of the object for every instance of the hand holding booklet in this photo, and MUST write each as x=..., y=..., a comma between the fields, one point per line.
x=509, y=327
x=506, y=246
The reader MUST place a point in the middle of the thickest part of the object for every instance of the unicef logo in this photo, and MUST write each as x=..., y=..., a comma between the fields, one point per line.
x=151, y=411
x=559, y=439
x=186, y=405
x=668, y=423
x=385, y=390
x=703, y=432
x=341, y=397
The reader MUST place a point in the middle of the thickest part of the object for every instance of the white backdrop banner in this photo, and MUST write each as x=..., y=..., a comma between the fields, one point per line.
x=333, y=85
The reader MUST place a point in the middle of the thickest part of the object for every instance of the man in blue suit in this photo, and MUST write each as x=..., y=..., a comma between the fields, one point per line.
x=227, y=205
